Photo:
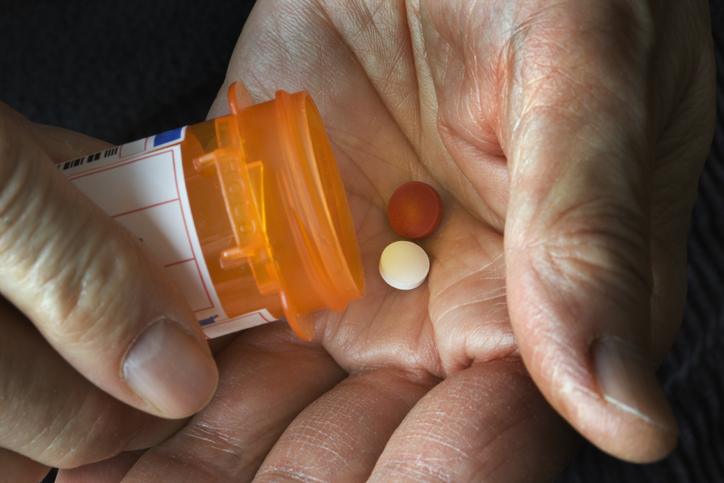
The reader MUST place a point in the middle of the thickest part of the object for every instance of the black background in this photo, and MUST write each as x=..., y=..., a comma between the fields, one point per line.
x=121, y=71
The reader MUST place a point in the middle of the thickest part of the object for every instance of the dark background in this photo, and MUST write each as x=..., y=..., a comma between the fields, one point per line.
x=121, y=71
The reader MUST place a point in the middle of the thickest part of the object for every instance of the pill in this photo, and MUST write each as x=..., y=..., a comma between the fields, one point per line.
x=404, y=265
x=414, y=210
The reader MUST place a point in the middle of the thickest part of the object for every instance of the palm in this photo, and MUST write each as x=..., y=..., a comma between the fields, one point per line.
x=457, y=318
x=384, y=134
x=395, y=110
x=380, y=115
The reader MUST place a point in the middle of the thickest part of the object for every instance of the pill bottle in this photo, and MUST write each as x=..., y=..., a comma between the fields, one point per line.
x=247, y=212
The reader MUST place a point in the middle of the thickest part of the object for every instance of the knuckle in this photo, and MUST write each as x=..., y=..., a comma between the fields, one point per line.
x=612, y=31
x=594, y=246
x=77, y=433
x=591, y=51
x=98, y=288
x=68, y=267
x=17, y=190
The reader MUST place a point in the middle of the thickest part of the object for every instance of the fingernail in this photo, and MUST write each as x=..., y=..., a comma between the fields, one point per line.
x=170, y=371
x=626, y=379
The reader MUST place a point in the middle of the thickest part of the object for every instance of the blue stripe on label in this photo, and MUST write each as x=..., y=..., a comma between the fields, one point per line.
x=210, y=320
x=167, y=137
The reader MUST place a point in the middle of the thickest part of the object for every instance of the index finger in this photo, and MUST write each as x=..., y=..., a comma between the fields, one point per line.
x=581, y=147
x=95, y=293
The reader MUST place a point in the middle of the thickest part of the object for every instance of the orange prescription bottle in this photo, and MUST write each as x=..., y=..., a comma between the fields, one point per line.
x=247, y=212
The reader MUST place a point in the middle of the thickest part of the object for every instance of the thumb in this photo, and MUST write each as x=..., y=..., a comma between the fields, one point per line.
x=578, y=232
x=93, y=291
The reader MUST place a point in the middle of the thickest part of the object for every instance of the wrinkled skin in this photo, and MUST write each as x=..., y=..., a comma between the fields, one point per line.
x=566, y=139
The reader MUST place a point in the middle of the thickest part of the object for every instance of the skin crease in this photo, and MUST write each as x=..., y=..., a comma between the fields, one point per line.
x=577, y=129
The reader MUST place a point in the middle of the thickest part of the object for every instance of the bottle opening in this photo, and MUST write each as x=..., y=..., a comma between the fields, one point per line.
x=323, y=223
x=338, y=212
x=289, y=221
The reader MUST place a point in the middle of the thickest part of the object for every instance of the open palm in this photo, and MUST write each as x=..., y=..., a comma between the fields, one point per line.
x=430, y=384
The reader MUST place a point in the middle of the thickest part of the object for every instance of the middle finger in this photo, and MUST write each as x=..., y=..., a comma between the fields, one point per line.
x=266, y=378
x=52, y=414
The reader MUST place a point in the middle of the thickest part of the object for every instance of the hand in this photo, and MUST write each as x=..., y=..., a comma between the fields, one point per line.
x=86, y=317
x=566, y=139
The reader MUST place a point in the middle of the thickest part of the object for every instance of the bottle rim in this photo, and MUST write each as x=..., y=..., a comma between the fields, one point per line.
x=320, y=209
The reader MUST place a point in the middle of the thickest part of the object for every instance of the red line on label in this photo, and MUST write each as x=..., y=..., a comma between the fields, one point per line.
x=117, y=164
x=205, y=308
x=180, y=262
x=145, y=208
x=188, y=235
x=240, y=317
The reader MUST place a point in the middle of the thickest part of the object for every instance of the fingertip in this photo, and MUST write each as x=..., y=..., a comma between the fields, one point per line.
x=632, y=394
x=657, y=444
x=581, y=318
x=170, y=370
x=616, y=402
x=621, y=433
x=626, y=380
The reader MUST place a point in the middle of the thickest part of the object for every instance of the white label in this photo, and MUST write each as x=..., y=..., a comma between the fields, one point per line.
x=141, y=185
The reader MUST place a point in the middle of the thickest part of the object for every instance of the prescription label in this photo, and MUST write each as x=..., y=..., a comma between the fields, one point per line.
x=141, y=186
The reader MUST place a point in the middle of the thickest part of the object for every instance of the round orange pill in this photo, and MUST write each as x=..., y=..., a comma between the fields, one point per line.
x=414, y=210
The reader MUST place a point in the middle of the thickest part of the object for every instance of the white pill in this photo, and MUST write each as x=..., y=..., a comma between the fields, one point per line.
x=404, y=265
